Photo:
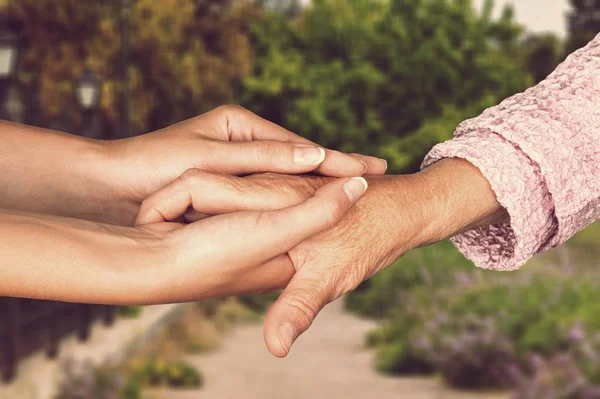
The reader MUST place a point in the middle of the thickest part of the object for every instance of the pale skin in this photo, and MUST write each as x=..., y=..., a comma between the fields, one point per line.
x=304, y=237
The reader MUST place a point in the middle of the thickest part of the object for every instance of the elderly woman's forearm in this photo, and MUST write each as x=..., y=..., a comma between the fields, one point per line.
x=456, y=198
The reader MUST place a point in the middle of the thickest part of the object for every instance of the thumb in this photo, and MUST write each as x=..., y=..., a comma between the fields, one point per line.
x=295, y=310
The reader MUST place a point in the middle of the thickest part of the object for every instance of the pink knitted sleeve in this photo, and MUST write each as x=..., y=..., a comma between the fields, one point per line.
x=540, y=152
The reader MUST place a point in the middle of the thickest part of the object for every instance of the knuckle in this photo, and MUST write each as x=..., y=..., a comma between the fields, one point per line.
x=231, y=109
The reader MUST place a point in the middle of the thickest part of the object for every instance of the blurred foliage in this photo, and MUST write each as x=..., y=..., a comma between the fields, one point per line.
x=556, y=377
x=174, y=374
x=542, y=53
x=587, y=240
x=200, y=327
x=186, y=55
x=130, y=312
x=388, y=77
x=478, y=328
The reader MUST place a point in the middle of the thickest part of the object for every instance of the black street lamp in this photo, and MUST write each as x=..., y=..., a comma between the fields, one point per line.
x=88, y=91
x=10, y=45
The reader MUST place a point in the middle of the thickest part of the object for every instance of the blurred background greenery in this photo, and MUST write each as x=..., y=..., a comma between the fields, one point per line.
x=383, y=77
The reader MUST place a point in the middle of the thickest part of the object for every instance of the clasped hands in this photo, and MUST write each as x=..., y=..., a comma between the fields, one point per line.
x=217, y=205
x=230, y=211
x=228, y=235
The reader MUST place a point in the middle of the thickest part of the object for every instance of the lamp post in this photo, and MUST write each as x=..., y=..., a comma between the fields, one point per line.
x=10, y=32
x=88, y=89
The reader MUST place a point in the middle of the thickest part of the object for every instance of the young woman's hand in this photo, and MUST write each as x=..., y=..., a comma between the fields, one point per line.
x=48, y=257
x=54, y=173
x=228, y=140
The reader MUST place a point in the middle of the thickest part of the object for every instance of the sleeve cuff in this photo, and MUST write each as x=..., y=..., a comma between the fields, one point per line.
x=519, y=188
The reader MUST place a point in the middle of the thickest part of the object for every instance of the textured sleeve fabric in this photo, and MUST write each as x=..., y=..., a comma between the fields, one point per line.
x=540, y=152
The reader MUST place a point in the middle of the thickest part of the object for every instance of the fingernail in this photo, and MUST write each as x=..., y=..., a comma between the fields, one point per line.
x=385, y=165
x=308, y=156
x=366, y=167
x=355, y=188
x=287, y=335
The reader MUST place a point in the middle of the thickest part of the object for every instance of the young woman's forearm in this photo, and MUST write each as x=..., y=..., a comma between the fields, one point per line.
x=45, y=171
x=49, y=257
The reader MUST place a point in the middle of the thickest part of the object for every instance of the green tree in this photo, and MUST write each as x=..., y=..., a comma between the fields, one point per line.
x=187, y=55
x=371, y=75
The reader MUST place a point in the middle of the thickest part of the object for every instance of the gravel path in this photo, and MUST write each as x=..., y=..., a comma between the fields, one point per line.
x=329, y=362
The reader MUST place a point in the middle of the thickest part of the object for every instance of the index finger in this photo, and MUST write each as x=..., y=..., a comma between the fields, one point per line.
x=244, y=125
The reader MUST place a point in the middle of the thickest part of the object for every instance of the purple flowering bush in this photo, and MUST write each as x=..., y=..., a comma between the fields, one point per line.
x=472, y=352
x=558, y=376
x=482, y=329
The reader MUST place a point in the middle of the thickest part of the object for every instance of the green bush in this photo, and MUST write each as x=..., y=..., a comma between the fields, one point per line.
x=163, y=373
x=473, y=354
x=130, y=312
x=439, y=313
x=473, y=334
x=403, y=357
x=392, y=291
x=537, y=311
x=556, y=377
